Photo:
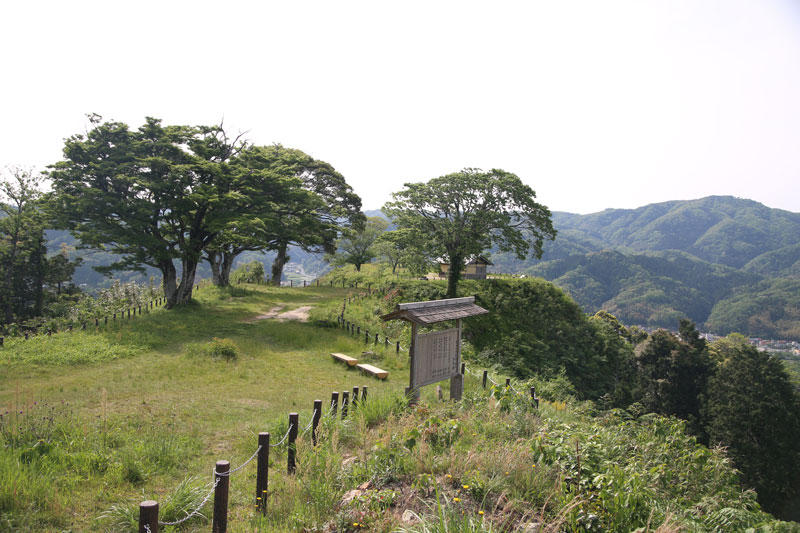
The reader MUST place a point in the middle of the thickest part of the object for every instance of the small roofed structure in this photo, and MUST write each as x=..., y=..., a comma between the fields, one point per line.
x=435, y=356
x=475, y=268
x=427, y=313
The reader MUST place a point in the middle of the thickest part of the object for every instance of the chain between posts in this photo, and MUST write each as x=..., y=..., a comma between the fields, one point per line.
x=229, y=472
x=311, y=422
x=197, y=510
x=284, y=437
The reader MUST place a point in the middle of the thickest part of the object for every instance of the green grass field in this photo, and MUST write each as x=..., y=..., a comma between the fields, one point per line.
x=95, y=422
x=142, y=404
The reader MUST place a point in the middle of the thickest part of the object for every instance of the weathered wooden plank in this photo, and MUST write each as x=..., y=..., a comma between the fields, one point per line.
x=373, y=370
x=351, y=361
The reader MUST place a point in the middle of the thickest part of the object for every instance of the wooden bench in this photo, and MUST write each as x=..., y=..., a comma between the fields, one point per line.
x=373, y=370
x=351, y=361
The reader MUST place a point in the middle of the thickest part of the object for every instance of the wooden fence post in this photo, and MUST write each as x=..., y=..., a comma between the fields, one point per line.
x=219, y=524
x=376, y=339
x=148, y=516
x=334, y=402
x=345, y=396
x=354, y=401
x=385, y=342
x=485, y=375
x=262, y=473
x=315, y=420
x=291, y=447
x=1, y=341
x=366, y=336
x=363, y=394
x=508, y=382
x=359, y=330
x=534, y=399
x=398, y=347
x=463, y=369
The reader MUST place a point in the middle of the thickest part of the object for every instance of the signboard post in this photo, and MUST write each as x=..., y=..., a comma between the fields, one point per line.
x=435, y=356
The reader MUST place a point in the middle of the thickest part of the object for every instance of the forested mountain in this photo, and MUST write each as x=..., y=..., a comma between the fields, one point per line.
x=728, y=264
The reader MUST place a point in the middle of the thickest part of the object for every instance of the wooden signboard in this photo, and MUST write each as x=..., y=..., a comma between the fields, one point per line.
x=436, y=357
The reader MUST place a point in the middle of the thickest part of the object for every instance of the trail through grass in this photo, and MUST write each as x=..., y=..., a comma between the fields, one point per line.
x=144, y=404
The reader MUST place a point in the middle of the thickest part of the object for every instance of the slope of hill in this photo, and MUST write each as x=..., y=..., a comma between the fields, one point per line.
x=654, y=289
x=663, y=261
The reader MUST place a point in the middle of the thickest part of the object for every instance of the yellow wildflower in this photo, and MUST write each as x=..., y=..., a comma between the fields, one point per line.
x=480, y=513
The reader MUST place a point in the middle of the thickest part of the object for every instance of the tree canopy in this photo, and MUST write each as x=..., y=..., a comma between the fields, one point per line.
x=153, y=195
x=465, y=213
x=358, y=246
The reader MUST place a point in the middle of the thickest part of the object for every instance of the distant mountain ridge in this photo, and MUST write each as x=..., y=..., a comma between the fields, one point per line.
x=706, y=259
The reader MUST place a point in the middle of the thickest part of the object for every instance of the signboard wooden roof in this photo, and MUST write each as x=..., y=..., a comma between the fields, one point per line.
x=425, y=313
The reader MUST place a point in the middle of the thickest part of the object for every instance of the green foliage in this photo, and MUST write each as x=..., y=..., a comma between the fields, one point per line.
x=534, y=328
x=154, y=195
x=464, y=213
x=672, y=374
x=222, y=348
x=770, y=309
x=23, y=265
x=252, y=272
x=753, y=409
x=358, y=246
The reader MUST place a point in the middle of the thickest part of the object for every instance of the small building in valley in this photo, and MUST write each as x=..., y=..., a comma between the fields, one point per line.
x=475, y=268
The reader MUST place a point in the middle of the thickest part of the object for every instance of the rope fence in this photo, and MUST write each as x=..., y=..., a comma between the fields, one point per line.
x=222, y=472
x=139, y=308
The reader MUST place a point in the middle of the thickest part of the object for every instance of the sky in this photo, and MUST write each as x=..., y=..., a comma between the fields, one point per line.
x=595, y=104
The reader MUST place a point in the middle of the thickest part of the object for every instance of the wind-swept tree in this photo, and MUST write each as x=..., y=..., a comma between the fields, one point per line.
x=358, y=247
x=315, y=207
x=465, y=213
x=154, y=195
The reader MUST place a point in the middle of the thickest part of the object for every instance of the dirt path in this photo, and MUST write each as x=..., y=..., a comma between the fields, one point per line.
x=300, y=314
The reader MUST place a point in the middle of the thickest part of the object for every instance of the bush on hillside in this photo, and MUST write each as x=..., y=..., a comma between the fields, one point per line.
x=252, y=272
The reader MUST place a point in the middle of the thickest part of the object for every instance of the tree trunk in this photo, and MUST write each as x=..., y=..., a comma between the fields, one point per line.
x=454, y=274
x=184, y=291
x=225, y=268
x=169, y=282
x=277, y=265
x=358, y=267
x=215, y=259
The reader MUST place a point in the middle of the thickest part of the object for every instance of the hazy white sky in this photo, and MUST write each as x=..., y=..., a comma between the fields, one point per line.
x=594, y=104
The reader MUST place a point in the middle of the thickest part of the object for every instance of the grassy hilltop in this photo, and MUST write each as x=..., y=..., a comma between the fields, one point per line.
x=96, y=421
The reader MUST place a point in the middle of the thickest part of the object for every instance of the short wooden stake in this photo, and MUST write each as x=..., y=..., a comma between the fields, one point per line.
x=397, y=349
x=219, y=523
x=355, y=397
x=334, y=402
x=262, y=473
x=1, y=341
x=366, y=336
x=291, y=447
x=345, y=396
x=485, y=375
x=148, y=516
x=386, y=342
x=463, y=369
x=508, y=382
x=376, y=339
x=315, y=420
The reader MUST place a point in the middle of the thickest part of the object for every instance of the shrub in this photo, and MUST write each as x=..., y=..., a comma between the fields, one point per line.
x=222, y=349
